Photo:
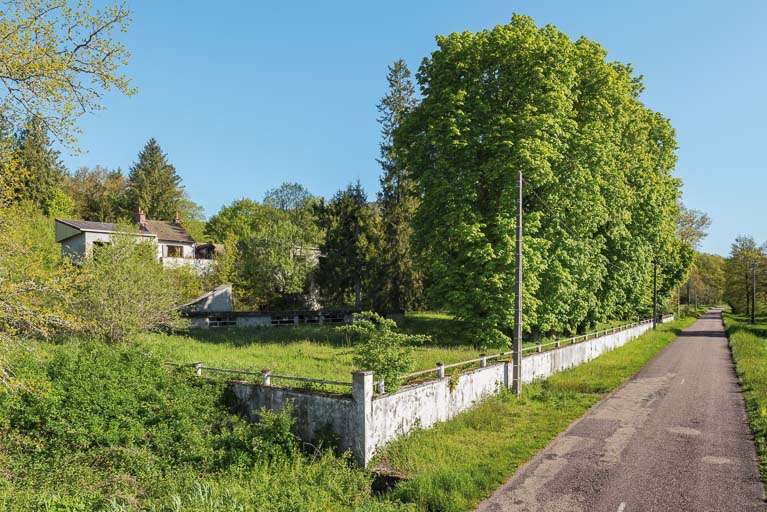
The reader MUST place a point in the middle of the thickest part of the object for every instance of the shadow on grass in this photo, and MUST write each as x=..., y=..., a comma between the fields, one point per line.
x=243, y=336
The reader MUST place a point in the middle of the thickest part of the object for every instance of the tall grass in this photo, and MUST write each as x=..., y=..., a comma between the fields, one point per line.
x=749, y=349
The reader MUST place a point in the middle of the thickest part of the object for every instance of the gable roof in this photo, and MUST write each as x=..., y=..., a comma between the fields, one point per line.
x=169, y=231
x=86, y=225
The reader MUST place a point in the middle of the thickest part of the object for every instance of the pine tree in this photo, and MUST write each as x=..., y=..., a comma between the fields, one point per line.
x=153, y=184
x=402, y=282
x=44, y=171
x=352, y=242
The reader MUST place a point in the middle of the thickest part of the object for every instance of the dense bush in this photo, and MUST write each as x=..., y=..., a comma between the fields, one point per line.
x=108, y=427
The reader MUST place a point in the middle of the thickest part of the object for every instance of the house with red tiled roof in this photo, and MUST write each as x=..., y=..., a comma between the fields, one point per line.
x=175, y=246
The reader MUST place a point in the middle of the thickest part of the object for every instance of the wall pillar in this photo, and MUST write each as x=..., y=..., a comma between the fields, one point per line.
x=362, y=422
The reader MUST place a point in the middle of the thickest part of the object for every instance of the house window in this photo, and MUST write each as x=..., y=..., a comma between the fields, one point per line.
x=174, y=251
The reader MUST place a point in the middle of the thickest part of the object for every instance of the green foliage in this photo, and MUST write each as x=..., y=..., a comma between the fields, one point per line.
x=401, y=281
x=42, y=163
x=99, y=194
x=274, y=439
x=153, y=184
x=600, y=201
x=126, y=290
x=36, y=289
x=744, y=253
x=349, y=262
x=749, y=350
x=271, y=249
x=109, y=428
x=380, y=348
x=60, y=57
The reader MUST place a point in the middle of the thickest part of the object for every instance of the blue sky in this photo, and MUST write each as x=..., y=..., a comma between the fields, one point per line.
x=246, y=95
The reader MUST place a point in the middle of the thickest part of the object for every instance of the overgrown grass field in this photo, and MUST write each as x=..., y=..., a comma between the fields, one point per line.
x=315, y=352
x=749, y=349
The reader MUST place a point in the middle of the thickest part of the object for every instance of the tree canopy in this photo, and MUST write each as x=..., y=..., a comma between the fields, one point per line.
x=600, y=199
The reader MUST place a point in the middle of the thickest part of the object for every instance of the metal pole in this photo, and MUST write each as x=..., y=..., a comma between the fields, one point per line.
x=753, y=293
x=517, y=370
x=654, y=294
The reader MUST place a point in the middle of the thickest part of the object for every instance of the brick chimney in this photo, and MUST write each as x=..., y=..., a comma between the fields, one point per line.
x=141, y=218
x=177, y=221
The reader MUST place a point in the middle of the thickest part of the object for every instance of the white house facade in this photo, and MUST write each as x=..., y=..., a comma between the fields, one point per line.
x=175, y=247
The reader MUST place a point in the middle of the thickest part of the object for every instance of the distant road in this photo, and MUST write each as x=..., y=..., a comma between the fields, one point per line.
x=673, y=438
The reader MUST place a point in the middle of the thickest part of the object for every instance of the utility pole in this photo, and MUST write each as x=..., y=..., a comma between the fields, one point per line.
x=655, y=294
x=517, y=359
x=753, y=293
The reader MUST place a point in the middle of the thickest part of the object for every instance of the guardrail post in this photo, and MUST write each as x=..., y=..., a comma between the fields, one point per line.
x=198, y=369
x=266, y=375
x=380, y=387
x=539, y=347
x=557, y=343
x=508, y=375
x=440, y=370
x=483, y=360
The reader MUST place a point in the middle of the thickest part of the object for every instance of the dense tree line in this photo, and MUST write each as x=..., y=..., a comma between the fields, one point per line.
x=600, y=202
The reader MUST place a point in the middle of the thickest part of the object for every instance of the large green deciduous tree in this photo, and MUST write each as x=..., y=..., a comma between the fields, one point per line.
x=271, y=248
x=744, y=253
x=402, y=282
x=153, y=184
x=99, y=194
x=600, y=201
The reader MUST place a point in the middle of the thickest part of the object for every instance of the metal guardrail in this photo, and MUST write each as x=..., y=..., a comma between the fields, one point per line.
x=482, y=360
x=266, y=375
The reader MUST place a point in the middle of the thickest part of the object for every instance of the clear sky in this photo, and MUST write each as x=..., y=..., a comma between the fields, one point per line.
x=246, y=95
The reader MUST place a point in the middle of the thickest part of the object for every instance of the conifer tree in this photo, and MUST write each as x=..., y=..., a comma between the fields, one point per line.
x=153, y=184
x=43, y=170
x=402, y=283
x=352, y=240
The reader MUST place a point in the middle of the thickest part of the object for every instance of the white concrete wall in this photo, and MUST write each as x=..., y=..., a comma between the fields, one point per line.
x=423, y=405
x=365, y=422
x=545, y=364
x=73, y=247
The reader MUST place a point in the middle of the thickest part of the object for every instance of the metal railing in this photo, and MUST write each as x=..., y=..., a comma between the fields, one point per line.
x=538, y=347
x=265, y=375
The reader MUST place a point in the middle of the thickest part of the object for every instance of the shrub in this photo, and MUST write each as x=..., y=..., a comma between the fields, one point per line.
x=379, y=348
x=127, y=291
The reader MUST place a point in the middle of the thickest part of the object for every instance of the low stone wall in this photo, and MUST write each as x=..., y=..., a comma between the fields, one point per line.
x=364, y=422
x=313, y=411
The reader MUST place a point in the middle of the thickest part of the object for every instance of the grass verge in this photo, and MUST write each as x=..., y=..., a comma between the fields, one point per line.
x=749, y=349
x=454, y=465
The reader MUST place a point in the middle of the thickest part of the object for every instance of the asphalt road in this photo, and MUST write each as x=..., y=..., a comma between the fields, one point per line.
x=673, y=438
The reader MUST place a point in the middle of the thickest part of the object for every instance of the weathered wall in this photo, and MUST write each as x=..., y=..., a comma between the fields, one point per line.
x=313, y=411
x=365, y=422
x=545, y=364
x=423, y=405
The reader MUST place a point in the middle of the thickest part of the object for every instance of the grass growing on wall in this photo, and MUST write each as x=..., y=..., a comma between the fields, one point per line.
x=455, y=464
x=749, y=349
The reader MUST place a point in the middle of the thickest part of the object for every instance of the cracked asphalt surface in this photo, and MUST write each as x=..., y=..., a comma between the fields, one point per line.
x=675, y=437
